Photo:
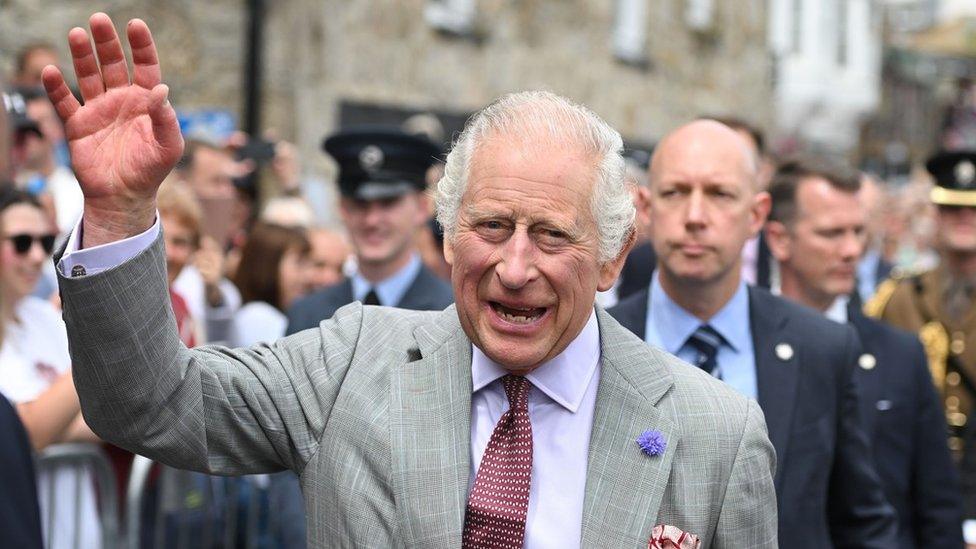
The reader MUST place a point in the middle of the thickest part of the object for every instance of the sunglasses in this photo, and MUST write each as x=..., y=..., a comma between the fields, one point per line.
x=23, y=242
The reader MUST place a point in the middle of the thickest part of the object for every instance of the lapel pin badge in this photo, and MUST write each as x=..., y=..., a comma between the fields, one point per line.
x=652, y=442
x=784, y=351
x=867, y=361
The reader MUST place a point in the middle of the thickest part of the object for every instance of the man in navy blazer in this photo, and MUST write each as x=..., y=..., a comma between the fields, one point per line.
x=816, y=231
x=382, y=176
x=703, y=203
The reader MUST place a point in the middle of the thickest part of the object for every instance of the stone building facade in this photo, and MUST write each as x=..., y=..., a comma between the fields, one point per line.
x=321, y=53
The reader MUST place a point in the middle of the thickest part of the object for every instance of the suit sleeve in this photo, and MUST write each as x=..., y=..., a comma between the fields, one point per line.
x=938, y=500
x=209, y=409
x=748, y=516
x=859, y=514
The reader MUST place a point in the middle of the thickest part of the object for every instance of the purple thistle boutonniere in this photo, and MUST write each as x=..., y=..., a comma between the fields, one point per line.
x=652, y=442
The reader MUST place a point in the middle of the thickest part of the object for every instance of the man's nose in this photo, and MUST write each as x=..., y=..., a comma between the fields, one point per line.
x=852, y=246
x=517, y=266
x=695, y=213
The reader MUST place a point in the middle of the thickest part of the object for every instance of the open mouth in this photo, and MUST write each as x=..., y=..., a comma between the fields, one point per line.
x=518, y=315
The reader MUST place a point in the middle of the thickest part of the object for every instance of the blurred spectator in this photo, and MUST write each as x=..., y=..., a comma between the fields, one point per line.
x=209, y=170
x=35, y=369
x=272, y=274
x=328, y=255
x=38, y=170
x=20, y=518
x=873, y=268
x=195, y=265
x=31, y=60
x=288, y=211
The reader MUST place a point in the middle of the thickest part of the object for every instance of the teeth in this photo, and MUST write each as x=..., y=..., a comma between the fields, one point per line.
x=519, y=319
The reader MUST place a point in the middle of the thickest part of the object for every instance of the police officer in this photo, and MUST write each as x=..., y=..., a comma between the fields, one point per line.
x=940, y=305
x=383, y=205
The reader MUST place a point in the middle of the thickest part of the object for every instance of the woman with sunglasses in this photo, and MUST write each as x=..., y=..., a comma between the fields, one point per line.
x=35, y=368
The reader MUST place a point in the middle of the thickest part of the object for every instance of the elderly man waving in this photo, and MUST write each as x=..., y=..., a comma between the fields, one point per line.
x=521, y=417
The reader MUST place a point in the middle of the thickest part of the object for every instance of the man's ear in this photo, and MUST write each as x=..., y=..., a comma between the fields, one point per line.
x=642, y=201
x=610, y=270
x=449, y=250
x=424, y=209
x=779, y=240
x=761, y=204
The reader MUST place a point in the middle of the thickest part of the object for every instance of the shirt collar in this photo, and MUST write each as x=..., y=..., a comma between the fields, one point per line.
x=564, y=379
x=391, y=290
x=838, y=309
x=675, y=325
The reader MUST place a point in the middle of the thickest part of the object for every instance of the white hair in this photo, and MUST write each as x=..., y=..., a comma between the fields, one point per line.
x=540, y=115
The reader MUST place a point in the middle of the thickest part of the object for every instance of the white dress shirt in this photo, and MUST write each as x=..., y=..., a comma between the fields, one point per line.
x=561, y=408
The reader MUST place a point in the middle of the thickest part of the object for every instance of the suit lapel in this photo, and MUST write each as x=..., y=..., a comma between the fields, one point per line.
x=430, y=419
x=777, y=371
x=625, y=487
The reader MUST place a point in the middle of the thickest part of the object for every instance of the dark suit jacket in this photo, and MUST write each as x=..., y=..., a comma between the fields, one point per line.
x=906, y=425
x=637, y=270
x=426, y=293
x=828, y=491
x=20, y=519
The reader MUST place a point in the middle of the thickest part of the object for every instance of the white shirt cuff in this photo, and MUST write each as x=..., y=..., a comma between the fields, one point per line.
x=77, y=262
x=969, y=530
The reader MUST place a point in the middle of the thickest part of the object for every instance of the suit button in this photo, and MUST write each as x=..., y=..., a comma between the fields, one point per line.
x=952, y=379
x=956, y=419
x=958, y=345
x=955, y=444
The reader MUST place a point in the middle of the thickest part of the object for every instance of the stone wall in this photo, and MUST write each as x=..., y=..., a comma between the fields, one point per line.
x=320, y=52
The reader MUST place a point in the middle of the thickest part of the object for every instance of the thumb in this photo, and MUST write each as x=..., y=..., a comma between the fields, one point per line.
x=166, y=129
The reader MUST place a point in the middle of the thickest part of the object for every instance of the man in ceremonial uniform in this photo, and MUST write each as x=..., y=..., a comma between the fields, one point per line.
x=382, y=180
x=939, y=304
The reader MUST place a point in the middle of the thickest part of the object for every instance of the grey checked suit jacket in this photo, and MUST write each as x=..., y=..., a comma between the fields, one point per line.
x=372, y=409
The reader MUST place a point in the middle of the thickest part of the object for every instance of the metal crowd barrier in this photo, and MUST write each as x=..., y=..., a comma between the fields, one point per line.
x=166, y=507
x=82, y=458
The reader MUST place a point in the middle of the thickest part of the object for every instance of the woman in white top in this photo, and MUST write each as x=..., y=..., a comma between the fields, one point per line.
x=35, y=369
x=273, y=272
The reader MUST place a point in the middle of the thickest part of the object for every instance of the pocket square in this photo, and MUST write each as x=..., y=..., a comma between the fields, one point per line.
x=665, y=536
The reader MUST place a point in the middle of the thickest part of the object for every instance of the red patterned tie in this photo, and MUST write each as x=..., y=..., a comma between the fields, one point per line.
x=499, y=501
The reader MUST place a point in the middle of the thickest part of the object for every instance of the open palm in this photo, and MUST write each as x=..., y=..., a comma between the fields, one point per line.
x=125, y=139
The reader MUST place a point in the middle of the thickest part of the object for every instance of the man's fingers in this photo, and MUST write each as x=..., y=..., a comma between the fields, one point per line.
x=115, y=73
x=166, y=129
x=86, y=67
x=59, y=94
x=145, y=62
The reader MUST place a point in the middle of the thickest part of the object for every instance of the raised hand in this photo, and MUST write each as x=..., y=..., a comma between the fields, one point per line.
x=125, y=139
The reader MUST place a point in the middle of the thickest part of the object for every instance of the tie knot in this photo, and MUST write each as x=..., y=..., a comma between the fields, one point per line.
x=706, y=339
x=517, y=390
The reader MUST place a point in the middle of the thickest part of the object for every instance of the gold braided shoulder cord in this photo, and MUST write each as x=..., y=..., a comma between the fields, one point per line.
x=875, y=306
x=936, y=342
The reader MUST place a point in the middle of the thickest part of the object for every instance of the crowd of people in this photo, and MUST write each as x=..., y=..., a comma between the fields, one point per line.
x=829, y=318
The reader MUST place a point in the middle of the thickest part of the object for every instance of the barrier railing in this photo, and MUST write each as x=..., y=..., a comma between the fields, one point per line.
x=164, y=507
x=78, y=463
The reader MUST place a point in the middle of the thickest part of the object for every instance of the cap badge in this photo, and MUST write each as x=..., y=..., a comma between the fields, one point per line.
x=965, y=173
x=371, y=158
